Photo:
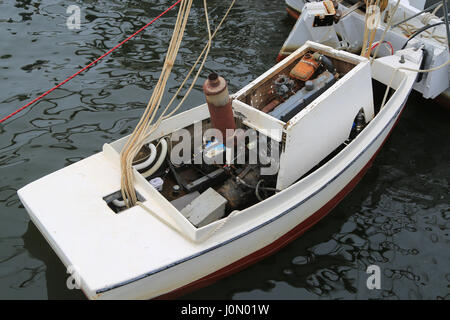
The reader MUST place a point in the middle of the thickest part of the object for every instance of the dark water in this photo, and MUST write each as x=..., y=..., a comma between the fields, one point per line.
x=398, y=217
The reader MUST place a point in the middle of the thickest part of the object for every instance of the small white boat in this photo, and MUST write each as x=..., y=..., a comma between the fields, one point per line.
x=159, y=253
x=294, y=7
x=343, y=29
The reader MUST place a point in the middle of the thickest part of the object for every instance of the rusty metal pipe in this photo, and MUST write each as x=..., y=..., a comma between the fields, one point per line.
x=219, y=104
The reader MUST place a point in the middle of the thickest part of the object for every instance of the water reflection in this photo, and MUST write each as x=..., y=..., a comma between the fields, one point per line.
x=398, y=217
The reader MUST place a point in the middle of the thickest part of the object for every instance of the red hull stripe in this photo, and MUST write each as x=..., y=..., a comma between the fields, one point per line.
x=271, y=248
x=282, y=241
x=281, y=57
x=293, y=13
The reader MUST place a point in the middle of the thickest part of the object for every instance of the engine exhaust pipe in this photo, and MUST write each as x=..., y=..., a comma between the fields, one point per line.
x=219, y=104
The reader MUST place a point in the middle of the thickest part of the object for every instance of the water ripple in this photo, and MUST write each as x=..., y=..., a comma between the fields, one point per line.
x=398, y=217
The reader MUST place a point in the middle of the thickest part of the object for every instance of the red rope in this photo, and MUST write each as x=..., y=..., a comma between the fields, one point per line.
x=90, y=64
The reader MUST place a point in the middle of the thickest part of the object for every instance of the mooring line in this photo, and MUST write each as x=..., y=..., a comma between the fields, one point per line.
x=90, y=64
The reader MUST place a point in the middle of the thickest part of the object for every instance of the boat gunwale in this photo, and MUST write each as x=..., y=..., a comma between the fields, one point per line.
x=303, y=200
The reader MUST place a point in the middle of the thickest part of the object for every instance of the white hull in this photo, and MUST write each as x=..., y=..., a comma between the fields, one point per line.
x=351, y=28
x=134, y=256
x=297, y=206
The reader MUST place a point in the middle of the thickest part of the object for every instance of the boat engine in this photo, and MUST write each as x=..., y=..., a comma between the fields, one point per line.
x=311, y=76
x=238, y=190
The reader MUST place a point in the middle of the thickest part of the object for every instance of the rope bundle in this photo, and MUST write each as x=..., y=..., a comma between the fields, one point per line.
x=145, y=127
x=136, y=140
x=409, y=29
x=370, y=32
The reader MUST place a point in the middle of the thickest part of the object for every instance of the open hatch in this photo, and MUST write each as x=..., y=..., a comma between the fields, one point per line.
x=284, y=124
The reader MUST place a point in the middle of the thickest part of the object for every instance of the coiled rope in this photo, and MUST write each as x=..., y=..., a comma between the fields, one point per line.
x=409, y=29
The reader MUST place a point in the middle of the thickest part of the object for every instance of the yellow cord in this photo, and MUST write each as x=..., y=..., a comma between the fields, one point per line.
x=388, y=27
x=145, y=127
x=135, y=142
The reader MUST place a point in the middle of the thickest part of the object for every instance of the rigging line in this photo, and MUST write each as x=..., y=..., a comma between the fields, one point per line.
x=90, y=64
x=417, y=14
x=135, y=141
x=386, y=29
x=134, y=146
